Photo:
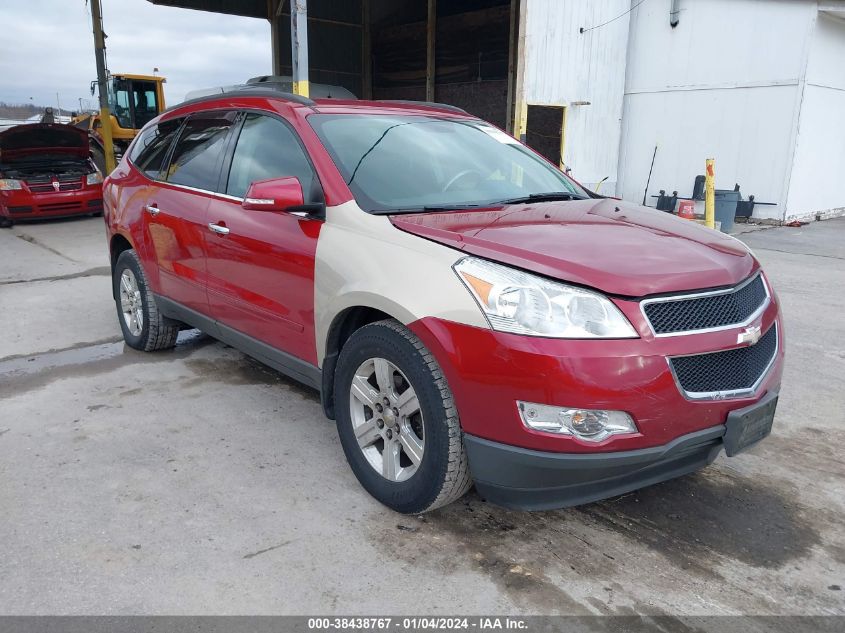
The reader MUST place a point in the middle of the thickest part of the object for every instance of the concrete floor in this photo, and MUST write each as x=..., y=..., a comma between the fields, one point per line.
x=197, y=481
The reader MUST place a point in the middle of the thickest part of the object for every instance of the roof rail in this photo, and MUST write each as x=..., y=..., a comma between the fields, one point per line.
x=248, y=90
x=428, y=104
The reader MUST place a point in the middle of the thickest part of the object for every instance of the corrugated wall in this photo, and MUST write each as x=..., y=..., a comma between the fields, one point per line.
x=564, y=66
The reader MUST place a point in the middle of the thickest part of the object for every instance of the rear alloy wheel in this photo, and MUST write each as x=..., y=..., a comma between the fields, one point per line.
x=131, y=303
x=143, y=326
x=397, y=421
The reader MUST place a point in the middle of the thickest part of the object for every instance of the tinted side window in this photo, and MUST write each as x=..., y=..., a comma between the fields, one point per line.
x=149, y=150
x=267, y=148
x=196, y=158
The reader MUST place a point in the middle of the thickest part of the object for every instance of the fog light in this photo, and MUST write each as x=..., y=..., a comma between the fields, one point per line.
x=590, y=425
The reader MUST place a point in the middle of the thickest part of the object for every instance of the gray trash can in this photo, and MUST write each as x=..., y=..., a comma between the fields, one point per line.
x=726, y=201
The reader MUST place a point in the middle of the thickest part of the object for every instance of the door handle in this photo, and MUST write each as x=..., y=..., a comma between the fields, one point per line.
x=220, y=230
x=153, y=211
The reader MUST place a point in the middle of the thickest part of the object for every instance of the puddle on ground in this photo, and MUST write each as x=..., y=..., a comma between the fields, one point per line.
x=31, y=372
x=26, y=373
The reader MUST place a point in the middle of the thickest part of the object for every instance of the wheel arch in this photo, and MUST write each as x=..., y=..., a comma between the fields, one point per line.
x=118, y=244
x=344, y=324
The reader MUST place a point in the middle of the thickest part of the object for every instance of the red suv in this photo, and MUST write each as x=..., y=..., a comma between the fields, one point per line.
x=467, y=312
x=46, y=171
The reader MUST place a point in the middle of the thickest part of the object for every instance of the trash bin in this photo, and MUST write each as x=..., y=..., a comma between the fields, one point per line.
x=726, y=201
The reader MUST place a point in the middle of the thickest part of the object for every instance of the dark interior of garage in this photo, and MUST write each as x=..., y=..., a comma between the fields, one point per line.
x=471, y=40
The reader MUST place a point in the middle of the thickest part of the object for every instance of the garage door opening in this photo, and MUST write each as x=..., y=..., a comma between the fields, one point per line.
x=459, y=52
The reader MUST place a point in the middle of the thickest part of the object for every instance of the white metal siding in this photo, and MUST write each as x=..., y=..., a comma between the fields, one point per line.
x=817, y=184
x=563, y=66
x=725, y=83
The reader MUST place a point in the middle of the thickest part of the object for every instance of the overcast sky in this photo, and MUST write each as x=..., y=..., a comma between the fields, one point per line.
x=47, y=47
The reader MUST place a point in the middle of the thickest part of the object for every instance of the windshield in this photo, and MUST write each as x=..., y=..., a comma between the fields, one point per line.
x=133, y=97
x=411, y=162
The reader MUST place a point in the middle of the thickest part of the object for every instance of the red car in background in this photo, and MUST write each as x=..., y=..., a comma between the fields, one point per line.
x=46, y=171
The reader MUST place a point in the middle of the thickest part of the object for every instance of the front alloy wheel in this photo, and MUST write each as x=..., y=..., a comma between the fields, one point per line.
x=397, y=420
x=386, y=419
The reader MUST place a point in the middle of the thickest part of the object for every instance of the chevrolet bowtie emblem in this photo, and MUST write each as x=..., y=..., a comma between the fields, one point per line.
x=749, y=335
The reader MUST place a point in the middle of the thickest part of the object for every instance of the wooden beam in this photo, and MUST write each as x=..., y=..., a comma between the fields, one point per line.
x=520, y=108
x=430, y=27
x=366, y=52
x=273, y=8
x=512, y=48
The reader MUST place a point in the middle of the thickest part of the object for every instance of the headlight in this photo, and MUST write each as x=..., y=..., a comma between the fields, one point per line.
x=93, y=178
x=7, y=184
x=521, y=303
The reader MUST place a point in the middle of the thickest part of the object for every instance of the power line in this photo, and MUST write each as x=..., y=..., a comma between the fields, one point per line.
x=621, y=15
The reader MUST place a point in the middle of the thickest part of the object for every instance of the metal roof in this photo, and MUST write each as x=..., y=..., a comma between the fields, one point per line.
x=246, y=8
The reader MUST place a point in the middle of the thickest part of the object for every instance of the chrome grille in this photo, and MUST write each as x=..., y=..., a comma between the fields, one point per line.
x=733, y=372
x=707, y=310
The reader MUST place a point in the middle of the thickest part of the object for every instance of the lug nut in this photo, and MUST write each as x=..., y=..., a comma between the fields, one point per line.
x=380, y=423
x=389, y=434
x=386, y=402
x=379, y=408
x=396, y=412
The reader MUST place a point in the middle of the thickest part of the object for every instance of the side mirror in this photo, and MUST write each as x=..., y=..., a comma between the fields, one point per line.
x=276, y=194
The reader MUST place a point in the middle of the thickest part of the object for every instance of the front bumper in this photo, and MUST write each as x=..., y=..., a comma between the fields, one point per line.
x=534, y=480
x=524, y=479
x=27, y=205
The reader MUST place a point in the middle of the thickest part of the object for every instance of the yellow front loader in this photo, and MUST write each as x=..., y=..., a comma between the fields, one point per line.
x=134, y=100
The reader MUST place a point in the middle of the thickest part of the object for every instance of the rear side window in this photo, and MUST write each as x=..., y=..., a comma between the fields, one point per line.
x=196, y=158
x=267, y=148
x=149, y=150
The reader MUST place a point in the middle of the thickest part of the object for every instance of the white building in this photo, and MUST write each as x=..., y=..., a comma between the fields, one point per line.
x=759, y=85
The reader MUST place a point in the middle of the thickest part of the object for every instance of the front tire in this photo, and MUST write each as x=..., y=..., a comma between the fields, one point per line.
x=144, y=327
x=397, y=420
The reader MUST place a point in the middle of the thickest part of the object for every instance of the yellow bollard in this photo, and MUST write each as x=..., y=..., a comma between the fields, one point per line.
x=710, y=194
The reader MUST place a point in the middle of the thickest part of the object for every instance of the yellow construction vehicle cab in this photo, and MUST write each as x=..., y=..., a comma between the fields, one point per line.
x=134, y=100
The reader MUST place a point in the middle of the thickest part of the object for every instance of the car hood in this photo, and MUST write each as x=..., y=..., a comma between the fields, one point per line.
x=23, y=141
x=619, y=248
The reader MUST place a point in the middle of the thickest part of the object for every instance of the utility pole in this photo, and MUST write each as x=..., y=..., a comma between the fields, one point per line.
x=299, y=45
x=102, y=83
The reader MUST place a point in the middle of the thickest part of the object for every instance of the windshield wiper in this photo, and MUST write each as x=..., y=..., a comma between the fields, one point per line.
x=544, y=197
x=449, y=207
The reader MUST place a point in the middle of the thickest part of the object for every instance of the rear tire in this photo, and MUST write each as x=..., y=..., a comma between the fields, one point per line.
x=144, y=327
x=429, y=467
